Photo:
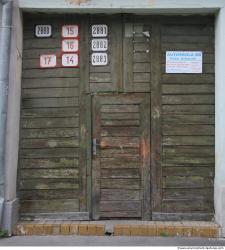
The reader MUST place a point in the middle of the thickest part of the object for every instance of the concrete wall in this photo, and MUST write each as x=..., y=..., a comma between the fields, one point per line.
x=13, y=122
x=219, y=189
x=1, y=173
x=0, y=18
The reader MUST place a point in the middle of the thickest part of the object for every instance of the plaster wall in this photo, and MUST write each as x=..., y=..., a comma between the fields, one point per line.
x=219, y=189
x=13, y=122
x=0, y=17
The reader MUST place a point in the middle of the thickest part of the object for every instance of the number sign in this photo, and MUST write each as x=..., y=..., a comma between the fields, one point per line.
x=43, y=30
x=70, y=60
x=99, y=44
x=48, y=61
x=70, y=31
x=99, y=30
x=99, y=59
x=70, y=45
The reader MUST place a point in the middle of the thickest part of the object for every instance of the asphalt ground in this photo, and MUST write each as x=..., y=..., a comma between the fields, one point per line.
x=108, y=241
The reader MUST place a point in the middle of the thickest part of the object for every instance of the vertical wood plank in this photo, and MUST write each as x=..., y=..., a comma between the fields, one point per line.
x=117, y=55
x=156, y=119
x=145, y=154
x=84, y=57
x=89, y=153
x=128, y=52
x=96, y=122
x=84, y=82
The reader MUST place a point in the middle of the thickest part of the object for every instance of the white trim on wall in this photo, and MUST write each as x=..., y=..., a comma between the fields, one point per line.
x=115, y=6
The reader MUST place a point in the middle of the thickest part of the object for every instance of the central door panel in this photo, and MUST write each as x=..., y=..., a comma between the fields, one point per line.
x=121, y=156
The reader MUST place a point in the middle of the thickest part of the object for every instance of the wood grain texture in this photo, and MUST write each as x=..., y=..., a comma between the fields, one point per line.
x=156, y=101
x=103, y=78
x=50, y=179
x=188, y=122
x=123, y=155
x=84, y=113
x=136, y=54
x=153, y=158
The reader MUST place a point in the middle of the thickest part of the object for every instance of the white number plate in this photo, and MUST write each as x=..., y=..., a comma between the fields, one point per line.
x=70, y=31
x=43, y=30
x=70, y=45
x=99, y=30
x=48, y=61
x=70, y=60
x=99, y=59
x=99, y=44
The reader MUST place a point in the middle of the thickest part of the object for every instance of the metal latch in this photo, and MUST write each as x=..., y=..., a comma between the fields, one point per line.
x=94, y=146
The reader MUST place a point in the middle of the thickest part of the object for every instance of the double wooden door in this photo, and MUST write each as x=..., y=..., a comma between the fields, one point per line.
x=57, y=176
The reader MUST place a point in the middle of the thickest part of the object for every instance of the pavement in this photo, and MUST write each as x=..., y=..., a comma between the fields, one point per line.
x=108, y=241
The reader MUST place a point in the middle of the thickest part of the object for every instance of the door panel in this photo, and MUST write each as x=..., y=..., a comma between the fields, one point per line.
x=121, y=161
x=53, y=141
x=109, y=77
x=137, y=54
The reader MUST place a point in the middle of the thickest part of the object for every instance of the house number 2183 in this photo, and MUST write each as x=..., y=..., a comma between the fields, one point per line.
x=99, y=59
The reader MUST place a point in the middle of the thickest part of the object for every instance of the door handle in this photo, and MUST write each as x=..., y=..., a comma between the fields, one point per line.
x=94, y=146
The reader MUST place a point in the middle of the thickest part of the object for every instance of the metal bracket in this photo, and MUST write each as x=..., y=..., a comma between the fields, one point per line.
x=146, y=34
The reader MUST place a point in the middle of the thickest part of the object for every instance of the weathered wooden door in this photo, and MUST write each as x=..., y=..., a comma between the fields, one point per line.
x=132, y=98
x=121, y=156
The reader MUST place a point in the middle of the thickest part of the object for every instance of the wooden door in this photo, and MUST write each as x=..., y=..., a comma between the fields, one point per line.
x=121, y=160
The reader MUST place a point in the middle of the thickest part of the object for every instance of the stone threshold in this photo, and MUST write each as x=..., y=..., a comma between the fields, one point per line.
x=120, y=228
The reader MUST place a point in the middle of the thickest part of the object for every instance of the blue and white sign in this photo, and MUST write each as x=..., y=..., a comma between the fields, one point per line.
x=184, y=62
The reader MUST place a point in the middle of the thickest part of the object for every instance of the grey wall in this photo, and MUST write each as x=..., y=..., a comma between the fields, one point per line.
x=13, y=121
x=0, y=18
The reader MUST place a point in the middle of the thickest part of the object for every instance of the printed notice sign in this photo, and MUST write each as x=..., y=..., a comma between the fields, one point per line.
x=184, y=62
